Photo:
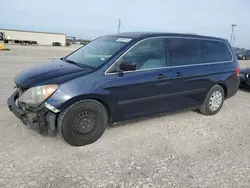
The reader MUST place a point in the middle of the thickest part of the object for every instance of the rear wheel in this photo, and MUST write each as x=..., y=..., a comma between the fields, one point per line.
x=83, y=123
x=244, y=58
x=214, y=101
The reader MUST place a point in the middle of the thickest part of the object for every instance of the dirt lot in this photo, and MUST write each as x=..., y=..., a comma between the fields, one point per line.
x=184, y=149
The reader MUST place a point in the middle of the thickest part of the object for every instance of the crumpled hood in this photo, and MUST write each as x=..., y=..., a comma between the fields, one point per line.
x=55, y=72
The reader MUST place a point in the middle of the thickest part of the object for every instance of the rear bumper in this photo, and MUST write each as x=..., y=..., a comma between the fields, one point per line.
x=46, y=119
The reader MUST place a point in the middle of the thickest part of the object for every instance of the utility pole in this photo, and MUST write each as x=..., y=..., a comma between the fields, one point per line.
x=233, y=40
x=119, y=25
x=232, y=33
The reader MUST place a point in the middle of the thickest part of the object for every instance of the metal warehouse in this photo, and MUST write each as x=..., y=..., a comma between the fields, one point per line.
x=42, y=38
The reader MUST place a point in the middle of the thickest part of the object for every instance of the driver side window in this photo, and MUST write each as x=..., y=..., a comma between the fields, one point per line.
x=145, y=55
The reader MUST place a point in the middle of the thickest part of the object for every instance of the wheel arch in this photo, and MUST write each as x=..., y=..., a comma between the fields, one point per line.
x=101, y=99
x=224, y=87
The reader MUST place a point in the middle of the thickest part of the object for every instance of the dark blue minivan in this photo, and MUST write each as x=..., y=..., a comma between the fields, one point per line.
x=122, y=77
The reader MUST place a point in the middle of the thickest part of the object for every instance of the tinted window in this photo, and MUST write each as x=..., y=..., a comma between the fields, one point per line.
x=216, y=51
x=182, y=51
x=147, y=54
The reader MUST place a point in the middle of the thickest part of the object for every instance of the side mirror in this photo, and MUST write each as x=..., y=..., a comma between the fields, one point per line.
x=127, y=66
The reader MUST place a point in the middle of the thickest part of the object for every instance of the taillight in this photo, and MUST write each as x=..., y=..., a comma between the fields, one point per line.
x=237, y=71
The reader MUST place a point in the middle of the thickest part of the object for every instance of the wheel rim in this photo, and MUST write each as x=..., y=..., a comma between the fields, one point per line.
x=215, y=101
x=84, y=123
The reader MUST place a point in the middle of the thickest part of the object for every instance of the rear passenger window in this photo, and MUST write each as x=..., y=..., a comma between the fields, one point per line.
x=216, y=51
x=184, y=51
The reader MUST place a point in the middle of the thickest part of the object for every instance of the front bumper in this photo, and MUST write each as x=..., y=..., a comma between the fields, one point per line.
x=13, y=107
x=45, y=119
x=244, y=81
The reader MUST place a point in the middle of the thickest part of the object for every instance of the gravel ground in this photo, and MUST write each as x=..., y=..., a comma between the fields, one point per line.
x=184, y=149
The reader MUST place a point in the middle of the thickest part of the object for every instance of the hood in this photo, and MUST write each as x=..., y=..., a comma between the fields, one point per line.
x=245, y=70
x=55, y=72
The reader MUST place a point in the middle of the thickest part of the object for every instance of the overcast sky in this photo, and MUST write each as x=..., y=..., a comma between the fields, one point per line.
x=92, y=18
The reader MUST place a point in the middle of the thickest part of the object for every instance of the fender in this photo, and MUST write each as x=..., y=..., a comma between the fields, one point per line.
x=100, y=98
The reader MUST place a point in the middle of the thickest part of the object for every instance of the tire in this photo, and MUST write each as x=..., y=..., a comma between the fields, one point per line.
x=83, y=123
x=209, y=107
x=244, y=58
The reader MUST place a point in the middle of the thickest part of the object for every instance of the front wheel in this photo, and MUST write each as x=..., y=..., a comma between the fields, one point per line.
x=214, y=101
x=83, y=123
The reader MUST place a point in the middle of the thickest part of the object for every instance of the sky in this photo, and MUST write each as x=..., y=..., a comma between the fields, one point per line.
x=89, y=19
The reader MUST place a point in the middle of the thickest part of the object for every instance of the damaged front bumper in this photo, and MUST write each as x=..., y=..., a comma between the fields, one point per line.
x=44, y=115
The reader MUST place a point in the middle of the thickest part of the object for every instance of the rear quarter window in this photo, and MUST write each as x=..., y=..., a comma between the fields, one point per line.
x=216, y=51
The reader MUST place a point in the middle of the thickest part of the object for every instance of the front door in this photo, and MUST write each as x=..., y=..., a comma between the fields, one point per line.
x=145, y=89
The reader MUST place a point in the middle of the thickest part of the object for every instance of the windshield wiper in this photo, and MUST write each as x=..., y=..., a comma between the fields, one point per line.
x=69, y=61
x=75, y=63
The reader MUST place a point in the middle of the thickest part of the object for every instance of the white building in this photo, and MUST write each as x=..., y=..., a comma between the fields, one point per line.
x=42, y=38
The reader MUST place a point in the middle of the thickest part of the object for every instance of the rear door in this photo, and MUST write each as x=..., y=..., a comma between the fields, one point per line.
x=196, y=66
x=188, y=71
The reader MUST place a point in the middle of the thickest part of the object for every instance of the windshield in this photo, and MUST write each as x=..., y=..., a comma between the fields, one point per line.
x=98, y=52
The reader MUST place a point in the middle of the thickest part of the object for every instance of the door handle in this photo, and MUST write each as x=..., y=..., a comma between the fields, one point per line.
x=161, y=76
x=179, y=74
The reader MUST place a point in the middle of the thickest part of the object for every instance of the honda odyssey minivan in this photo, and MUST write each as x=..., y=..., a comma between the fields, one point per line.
x=122, y=77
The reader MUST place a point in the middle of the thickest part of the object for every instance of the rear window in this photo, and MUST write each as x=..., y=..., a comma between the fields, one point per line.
x=216, y=51
x=186, y=51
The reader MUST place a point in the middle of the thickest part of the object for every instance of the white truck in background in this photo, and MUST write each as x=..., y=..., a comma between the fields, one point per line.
x=9, y=40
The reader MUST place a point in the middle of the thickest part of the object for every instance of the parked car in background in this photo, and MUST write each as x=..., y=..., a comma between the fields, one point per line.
x=56, y=44
x=122, y=77
x=243, y=54
x=68, y=43
x=245, y=77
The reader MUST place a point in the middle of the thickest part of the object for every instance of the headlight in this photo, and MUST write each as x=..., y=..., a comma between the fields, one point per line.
x=36, y=95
